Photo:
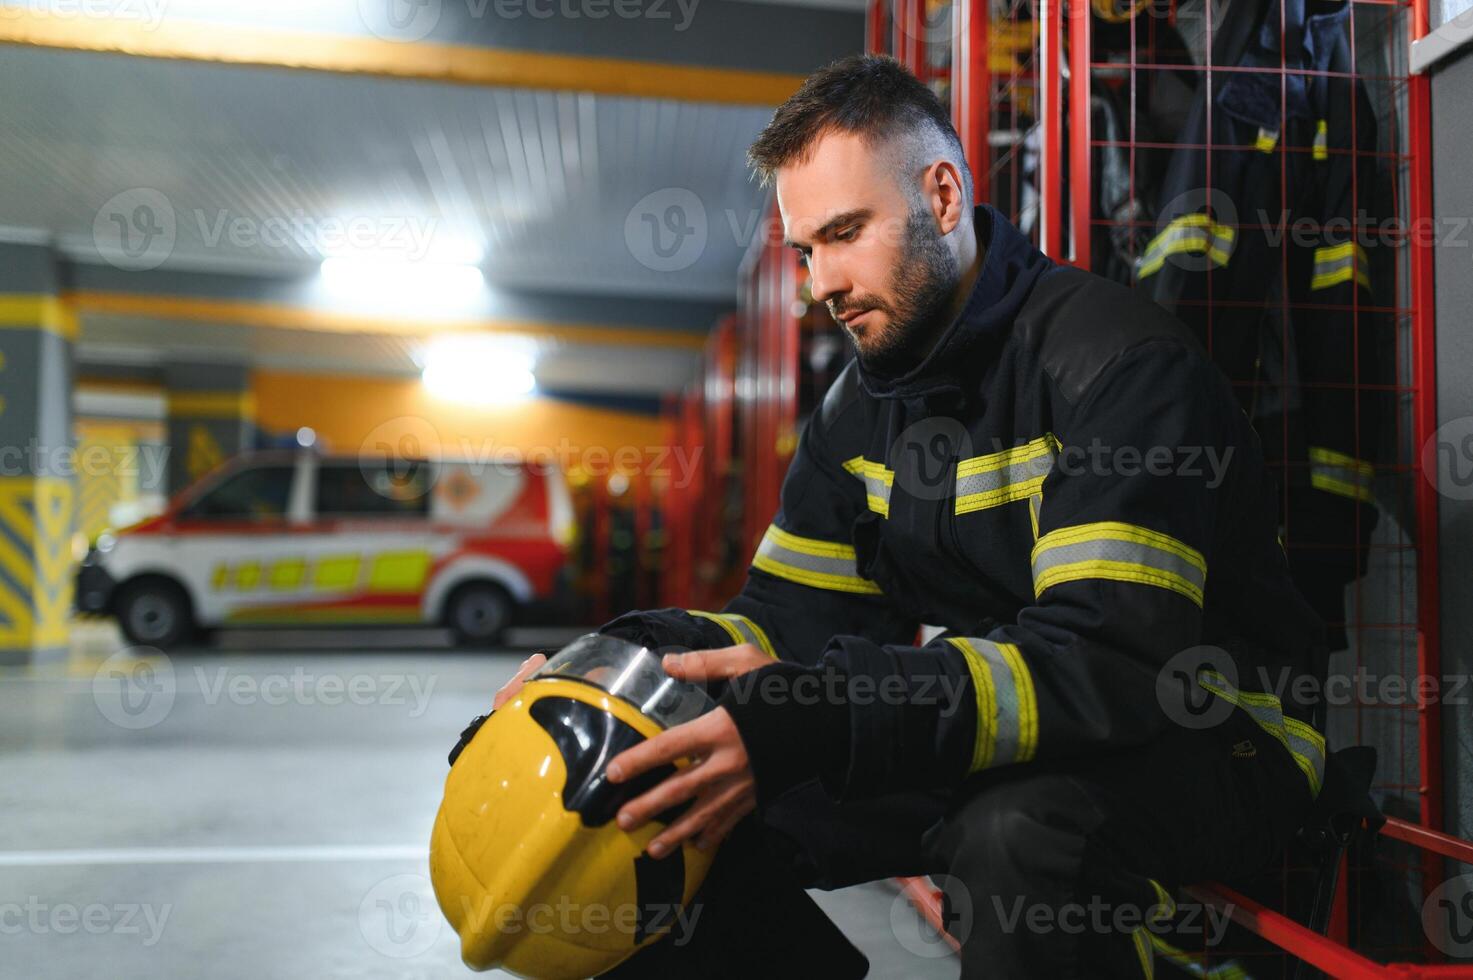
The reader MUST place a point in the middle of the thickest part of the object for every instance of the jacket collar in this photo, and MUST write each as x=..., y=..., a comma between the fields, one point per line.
x=1010, y=267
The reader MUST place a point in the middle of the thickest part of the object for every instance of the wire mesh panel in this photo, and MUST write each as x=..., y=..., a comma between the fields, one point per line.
x=1250, y=166
x=1259, y=167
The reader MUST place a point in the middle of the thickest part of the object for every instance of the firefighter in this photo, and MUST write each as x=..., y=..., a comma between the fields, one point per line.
x=1053, y=472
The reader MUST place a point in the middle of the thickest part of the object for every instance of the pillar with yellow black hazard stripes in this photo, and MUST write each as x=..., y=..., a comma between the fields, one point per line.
x=37, y=332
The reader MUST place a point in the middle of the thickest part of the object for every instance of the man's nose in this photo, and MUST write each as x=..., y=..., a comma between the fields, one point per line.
x=828, y=279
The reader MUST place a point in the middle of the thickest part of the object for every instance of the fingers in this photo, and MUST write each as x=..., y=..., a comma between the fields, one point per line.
x=720, y=664
x=717, y=831
x=669, y=793
x=676, y=743
x=529, y=667
x=712, y=809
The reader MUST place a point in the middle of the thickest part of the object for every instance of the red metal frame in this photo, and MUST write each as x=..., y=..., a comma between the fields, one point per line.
x=1429, y=656
x=1329, y=953
x=1051, y=121
x=971, y=85
x=971, y=100
x=1080, y=126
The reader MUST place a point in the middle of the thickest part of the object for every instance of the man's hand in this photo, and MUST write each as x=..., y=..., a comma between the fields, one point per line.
x=511, y=687
x=719, y=778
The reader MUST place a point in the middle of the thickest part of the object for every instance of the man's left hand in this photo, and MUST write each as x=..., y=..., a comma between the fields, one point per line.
x=719, y=778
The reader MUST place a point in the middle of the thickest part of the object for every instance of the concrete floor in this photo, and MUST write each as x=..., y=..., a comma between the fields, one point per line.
x=261, y=810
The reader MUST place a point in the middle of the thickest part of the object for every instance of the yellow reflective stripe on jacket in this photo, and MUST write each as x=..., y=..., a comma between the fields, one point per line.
x=1007, y=706
x=877, y=482
x=1188, y=233
x=740, y=628
x=1164, y=901
x=1195, y=964
x=1322, y=140
x=1120, y=552
x=1000, y=478
x=1306, y=745
x=808, y=561
x=1140, y=936
x=1340, y=474
x=1335, y=264
x=1267, y=140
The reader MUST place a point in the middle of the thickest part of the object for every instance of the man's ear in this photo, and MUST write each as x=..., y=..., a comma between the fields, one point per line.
x=948, y=195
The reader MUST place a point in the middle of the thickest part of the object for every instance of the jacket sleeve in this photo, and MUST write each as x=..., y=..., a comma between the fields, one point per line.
x=1119, y=569
x=803, y=586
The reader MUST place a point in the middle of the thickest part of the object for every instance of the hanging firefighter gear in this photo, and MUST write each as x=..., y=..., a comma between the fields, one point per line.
x=1259, y=251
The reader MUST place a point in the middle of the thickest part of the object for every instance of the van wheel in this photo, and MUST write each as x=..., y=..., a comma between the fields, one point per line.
x=155, y=613
x=478, y=613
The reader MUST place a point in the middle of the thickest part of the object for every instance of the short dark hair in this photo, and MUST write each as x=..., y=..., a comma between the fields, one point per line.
x=873, y=96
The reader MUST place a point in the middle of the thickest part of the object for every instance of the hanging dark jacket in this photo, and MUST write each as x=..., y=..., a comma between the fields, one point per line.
x=1066, y=485
x=1260, y=251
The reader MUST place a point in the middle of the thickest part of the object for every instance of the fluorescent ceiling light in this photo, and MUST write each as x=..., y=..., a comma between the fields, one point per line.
x=401, y=282
x=477, y=369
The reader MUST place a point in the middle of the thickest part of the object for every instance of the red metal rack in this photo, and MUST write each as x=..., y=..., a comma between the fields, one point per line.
x=1024, y=105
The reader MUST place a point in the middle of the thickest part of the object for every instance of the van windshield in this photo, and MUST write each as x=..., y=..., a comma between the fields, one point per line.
x=257, y=493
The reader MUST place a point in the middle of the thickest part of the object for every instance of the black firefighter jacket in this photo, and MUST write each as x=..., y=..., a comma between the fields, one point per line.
x=1067, y=486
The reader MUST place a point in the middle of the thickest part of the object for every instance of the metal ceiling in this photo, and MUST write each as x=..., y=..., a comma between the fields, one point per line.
x=260, y=168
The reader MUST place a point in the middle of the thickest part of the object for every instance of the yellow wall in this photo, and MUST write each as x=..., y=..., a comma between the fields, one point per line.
x=350, y=414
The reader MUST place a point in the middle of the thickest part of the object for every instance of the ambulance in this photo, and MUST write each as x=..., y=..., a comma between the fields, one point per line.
x=291, y=537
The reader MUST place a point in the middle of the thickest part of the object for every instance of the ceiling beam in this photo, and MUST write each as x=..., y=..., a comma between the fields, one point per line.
x=466, y=64
x=258, y=314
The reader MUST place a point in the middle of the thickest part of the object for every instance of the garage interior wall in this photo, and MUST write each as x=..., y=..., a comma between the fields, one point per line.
x=1452, y=148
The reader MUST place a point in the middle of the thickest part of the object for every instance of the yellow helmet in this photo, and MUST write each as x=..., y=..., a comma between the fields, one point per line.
x=525, y=857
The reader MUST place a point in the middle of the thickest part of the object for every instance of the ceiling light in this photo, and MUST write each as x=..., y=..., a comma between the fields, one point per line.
x=478, y=370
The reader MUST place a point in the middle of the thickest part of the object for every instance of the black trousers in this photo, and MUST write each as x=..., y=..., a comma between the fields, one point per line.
x=1046, y=868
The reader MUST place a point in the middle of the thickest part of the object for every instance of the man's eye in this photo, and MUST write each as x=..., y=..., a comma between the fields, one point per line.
x=847, y=235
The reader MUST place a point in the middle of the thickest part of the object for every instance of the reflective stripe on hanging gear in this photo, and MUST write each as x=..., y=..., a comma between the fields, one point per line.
x=1119, y=552
x=1321, y=141
x=1335, y=264
x=1340, y=474
x=1191, y=233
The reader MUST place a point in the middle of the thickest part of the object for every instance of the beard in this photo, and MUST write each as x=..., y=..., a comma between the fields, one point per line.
x=924, y=282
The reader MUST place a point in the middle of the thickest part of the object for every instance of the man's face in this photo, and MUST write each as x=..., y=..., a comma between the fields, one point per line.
x=879, y=263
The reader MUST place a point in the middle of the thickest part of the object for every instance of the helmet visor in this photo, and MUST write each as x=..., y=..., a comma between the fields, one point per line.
x=631, y=672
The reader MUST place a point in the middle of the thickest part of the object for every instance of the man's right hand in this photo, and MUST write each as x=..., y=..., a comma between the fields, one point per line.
x=511, y=687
